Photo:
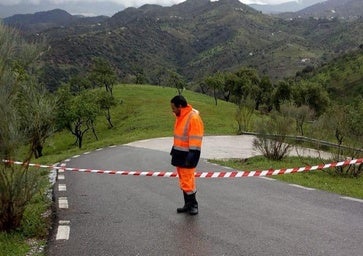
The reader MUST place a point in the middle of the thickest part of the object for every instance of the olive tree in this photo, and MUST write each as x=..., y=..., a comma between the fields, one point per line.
x=300, y=114
x=77, y=113
x=102, y=74
x=311, y=94
x=177, y=81
x=25, y=111
x=216, y=82
x=105, y=102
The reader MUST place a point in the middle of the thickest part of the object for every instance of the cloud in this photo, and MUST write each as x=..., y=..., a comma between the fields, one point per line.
x=129, y=2
x=267, y=1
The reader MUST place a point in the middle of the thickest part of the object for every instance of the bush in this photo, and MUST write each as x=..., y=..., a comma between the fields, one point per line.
x=272, y=136
x=37, y=217
x=18, y=185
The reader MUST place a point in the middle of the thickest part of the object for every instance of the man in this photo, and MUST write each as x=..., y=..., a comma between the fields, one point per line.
x=188, y=134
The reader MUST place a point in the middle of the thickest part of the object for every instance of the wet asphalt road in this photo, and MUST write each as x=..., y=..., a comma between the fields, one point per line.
x=131, y=215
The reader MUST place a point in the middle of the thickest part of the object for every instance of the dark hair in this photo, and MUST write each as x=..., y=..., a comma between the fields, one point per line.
x=179, y=101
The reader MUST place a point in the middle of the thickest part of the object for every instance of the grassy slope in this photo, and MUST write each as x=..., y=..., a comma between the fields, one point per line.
x=143, y=112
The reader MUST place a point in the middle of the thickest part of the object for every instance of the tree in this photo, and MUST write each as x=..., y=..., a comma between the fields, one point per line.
x=261, y=92
x=102, y=74
x=281, y=93
x=311, y=94
x=355, y=121
x=140, y=77
x=105, y=102
x=175, y=80
x=77, y=113
x=24, y=123
x=230, y=83
x=243, y=84
x=37, y=112
x=344, y=122
x=79, y=83
x=300, y=114
x=216, y=82
x=161, y=76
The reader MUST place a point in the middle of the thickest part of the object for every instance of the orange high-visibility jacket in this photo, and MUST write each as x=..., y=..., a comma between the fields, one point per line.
x=188, y=134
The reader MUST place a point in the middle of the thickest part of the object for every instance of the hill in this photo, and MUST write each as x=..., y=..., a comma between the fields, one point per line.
x=109, y=8
x=331, y=9
x=342, y=77
x=41, y=21
x=194, y=39
x=84, y=8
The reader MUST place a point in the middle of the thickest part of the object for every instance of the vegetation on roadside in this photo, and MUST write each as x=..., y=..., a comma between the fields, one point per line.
x=26, y=110
x=328, y=179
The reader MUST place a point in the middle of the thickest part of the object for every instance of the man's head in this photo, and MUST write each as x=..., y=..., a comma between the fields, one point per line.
x=177, y=103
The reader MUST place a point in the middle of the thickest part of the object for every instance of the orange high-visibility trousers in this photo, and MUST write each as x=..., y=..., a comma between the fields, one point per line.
x=187, y=179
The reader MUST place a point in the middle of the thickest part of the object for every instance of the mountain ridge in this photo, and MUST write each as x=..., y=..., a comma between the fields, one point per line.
x=107, y=8
x=194, y=39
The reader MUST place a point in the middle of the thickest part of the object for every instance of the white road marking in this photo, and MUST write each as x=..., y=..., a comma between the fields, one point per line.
x=267, y=178
x=61, y=177
x=63, y=230
x=298, y=186
x=64, y=222
x=63, y=203
x=352, y=199
x=62, y=187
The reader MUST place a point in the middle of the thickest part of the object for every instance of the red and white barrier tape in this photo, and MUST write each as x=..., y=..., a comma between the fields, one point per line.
x=223, y=174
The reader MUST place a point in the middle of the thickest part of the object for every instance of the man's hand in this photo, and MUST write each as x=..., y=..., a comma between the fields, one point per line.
x=191, y=158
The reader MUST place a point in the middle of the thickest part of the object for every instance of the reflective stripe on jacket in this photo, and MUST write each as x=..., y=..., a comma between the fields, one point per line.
x=188, y=135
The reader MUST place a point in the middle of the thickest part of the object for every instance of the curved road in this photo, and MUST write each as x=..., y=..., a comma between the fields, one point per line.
x=99, y=214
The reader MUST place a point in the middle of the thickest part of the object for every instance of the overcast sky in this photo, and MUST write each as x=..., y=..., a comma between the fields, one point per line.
x=135, y=3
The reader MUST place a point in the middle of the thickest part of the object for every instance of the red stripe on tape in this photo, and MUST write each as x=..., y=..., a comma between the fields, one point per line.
x=210, y=174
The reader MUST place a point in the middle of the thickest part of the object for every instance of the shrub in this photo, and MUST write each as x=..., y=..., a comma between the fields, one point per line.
x=18, y=185
x=272, y=136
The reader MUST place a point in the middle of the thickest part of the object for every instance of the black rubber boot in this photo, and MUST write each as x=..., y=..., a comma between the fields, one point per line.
x=193, y=204
x=185, y=208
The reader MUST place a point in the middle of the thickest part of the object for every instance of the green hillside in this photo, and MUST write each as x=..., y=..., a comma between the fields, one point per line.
x=142, y=112
x=194, y=39
x=341, y=77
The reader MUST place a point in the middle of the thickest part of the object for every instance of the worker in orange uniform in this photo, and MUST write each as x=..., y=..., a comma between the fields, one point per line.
x=188, y=134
